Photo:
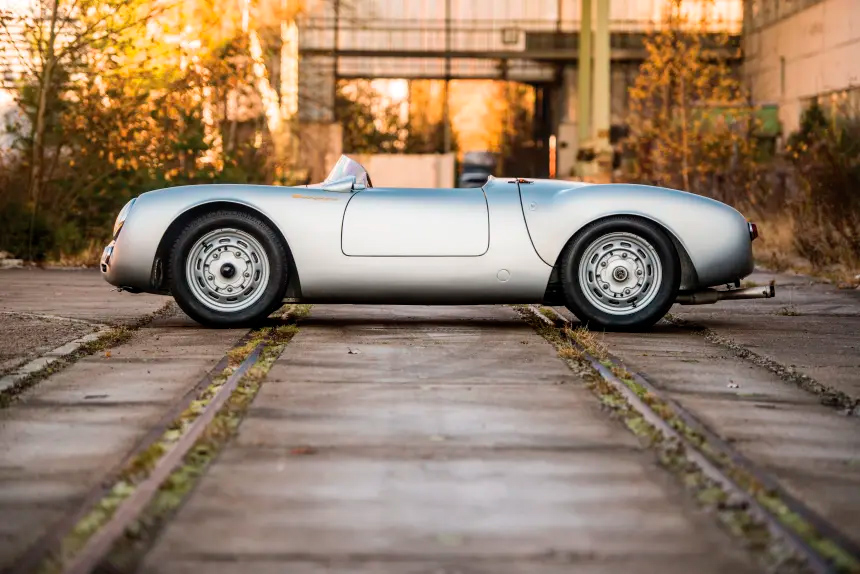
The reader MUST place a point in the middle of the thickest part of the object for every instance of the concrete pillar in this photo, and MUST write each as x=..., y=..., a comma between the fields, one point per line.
x=583, y=115
x=569, y=117
x=602, y=100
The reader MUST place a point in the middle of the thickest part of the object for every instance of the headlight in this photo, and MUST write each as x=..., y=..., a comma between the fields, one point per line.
x=120, y=219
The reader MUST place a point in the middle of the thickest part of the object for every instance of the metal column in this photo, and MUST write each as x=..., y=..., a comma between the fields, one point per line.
x=446, y=113
x=583, y=89
x=602, y=100
x=335, y=60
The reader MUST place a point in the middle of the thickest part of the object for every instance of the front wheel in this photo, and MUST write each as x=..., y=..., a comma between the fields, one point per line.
x=620, y=273
x=227, y=269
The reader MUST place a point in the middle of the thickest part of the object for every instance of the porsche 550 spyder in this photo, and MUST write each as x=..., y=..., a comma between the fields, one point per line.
x=617, y=255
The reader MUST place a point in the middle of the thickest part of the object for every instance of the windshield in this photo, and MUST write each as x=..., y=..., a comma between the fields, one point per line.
x=345, y=167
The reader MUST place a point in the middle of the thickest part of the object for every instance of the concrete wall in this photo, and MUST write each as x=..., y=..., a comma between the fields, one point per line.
x=409, y=170
x=794, y=57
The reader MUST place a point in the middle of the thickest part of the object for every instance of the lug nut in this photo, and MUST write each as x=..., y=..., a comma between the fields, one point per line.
x=238, y=254
x=627, y=291
x=229, y=289
x=623, y=256
x=606, y=286
x=211, y=277
x=214, y=256
x=603, y=263
x=247, y=274
x=639, y=272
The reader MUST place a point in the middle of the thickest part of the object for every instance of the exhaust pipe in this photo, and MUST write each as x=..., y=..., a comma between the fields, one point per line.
x=709, y=296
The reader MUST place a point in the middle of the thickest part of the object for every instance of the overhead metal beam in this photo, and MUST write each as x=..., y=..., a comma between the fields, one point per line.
x=633, y=54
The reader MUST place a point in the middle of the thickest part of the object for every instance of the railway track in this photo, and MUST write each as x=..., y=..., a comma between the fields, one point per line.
x=83, y=540
x=811, y=541
x=95, y=536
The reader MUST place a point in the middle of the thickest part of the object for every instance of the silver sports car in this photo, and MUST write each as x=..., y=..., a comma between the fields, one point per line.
x=617, y=255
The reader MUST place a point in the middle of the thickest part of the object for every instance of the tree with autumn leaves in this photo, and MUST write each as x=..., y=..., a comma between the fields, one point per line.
x=691, y=123
x=120, y=97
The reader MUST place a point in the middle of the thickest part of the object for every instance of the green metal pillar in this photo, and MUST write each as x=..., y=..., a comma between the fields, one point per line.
x=602, y=100
x=583, y=88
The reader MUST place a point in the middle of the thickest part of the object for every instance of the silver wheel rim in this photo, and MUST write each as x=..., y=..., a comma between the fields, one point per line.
x=227, y=270
x=620, y=273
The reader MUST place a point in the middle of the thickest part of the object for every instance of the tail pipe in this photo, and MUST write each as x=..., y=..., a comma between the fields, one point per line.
x=709, y=296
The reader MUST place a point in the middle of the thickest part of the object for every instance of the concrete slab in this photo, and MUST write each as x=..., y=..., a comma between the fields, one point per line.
x=474, y=415
x=75, y=293
x=822, y=340
x=42, y=311
x=26, y=337
x=65, y=434
x=455, y=440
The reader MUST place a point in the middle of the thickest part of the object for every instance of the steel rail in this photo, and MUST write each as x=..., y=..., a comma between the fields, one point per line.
x=49, y=542
x=712, y=470
x=100, y=543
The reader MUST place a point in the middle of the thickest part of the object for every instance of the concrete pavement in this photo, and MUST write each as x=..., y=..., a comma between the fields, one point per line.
x=810, y=326
x=66, y=434
x=43, y=309
x=72, y=293
x=425, y=439
x=812, y=449
x=434, y=439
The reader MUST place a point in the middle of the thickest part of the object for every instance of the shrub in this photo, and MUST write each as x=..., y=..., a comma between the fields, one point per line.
x=825, y=153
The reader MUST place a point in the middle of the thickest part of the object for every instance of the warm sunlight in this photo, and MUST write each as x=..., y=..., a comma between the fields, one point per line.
x=394, y=90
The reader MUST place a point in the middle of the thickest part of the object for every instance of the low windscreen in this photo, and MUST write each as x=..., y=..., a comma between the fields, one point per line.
x=346, y=166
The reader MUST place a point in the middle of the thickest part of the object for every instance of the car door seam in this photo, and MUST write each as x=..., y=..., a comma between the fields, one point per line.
x=526, y=223
x=486, y=249
x=343, y=222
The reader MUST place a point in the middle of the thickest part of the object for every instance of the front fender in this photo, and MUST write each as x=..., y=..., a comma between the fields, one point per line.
x=715, y=236
x=135, y=248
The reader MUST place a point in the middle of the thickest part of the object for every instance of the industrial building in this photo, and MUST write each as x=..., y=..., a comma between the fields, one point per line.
x=798, y=51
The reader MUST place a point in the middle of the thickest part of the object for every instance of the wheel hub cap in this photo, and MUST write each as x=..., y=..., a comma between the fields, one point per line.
x=227, y=270
x=620, y=273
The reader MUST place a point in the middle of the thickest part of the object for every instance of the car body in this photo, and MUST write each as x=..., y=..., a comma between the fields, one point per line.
x=344, y=241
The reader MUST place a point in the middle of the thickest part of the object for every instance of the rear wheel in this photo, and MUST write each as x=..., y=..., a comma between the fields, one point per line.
x=620, y=273
x=228, y=268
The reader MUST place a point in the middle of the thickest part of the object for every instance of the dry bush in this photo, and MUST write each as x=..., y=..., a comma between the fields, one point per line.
x=825, y=153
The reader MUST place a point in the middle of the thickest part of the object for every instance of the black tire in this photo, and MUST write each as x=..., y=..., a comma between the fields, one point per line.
x=654, y=310
x=272, y=292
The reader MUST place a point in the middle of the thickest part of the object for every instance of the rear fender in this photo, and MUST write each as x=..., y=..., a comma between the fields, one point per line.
x=712, y=239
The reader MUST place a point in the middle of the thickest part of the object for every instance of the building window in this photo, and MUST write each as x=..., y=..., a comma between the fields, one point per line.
x=839, y=103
